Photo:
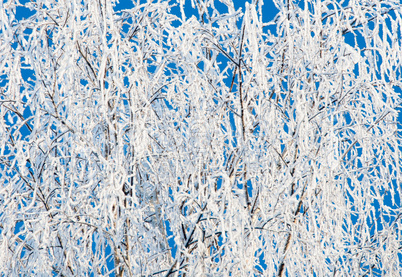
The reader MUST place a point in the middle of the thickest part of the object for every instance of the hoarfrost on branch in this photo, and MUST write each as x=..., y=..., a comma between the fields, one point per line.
x=147, y=142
